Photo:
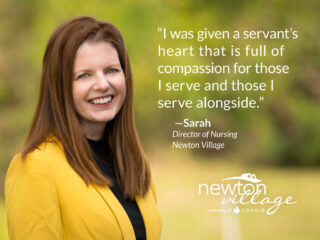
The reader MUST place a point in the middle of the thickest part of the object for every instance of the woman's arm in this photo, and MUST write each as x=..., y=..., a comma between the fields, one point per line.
x=31, y=200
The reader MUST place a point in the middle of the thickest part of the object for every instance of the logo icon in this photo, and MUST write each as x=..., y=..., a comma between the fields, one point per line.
x=246, y=177
x=236, y=210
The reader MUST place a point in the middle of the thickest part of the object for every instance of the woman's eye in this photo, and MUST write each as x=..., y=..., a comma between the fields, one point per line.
x=83, y=75
x=112, y=70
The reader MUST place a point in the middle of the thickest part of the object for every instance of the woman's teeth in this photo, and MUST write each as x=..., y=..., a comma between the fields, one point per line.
x=101, y=100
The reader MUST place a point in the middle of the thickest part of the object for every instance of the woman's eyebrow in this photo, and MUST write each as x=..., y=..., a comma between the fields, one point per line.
x=113, y=65
x=82, y=70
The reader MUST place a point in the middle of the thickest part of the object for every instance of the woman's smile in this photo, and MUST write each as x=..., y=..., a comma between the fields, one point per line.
x=105, y=100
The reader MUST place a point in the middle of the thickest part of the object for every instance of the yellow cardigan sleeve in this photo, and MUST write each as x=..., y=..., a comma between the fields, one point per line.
x=31, y=200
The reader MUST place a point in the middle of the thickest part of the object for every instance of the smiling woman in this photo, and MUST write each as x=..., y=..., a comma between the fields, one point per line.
x=81, y=173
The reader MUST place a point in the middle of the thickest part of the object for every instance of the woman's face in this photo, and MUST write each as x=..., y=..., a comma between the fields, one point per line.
x=99, y=87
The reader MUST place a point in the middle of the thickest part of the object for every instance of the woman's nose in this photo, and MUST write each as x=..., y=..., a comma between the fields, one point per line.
x=101, y=82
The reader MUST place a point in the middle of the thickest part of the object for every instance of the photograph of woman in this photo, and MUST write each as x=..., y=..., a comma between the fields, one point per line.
x=82, y=173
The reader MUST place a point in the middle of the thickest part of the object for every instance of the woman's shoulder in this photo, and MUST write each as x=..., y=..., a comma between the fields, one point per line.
x=42, y=158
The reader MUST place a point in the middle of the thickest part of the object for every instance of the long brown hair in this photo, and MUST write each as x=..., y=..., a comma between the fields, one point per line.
x=56, y=115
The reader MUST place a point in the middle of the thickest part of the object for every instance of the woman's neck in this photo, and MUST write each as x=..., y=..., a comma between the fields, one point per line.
x=93, y=131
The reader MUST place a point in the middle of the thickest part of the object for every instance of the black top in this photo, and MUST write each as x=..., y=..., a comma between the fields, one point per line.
x=103, y=157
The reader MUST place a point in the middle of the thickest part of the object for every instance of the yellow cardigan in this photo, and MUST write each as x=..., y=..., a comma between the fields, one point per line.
x=46, y=199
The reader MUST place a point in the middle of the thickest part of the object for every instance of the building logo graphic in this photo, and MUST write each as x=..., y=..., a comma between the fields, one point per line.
x=246, y=177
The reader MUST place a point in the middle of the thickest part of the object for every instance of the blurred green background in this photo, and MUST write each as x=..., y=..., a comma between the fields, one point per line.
x=279, y=142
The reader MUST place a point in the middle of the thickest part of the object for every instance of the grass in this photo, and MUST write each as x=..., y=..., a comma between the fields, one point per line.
x=177, y=175
x=184, y=214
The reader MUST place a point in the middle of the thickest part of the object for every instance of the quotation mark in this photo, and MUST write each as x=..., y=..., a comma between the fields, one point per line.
x=260, y=99
x=163, y=30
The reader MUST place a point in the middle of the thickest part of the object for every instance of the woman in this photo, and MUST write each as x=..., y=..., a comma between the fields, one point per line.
x=81, y=173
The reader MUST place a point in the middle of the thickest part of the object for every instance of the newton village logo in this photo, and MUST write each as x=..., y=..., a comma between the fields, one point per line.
x=244, y=193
